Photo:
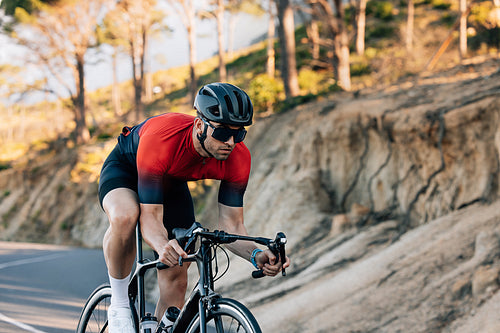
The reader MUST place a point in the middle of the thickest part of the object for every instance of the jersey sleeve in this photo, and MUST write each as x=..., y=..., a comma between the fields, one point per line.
x=151, y=166
x=233, y=186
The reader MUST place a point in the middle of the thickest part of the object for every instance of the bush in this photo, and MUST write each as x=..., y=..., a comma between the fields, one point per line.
x=312, y=82
x=264, y=92
x=5, y=166
x=380, y=9
x=380, y=31
x=360, y=69
x=441, y=4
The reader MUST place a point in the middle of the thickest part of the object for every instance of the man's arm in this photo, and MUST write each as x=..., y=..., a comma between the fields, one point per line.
x=231, y=221
x=156, y=235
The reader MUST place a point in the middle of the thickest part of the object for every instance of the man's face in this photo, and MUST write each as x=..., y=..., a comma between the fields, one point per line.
x=219, y=149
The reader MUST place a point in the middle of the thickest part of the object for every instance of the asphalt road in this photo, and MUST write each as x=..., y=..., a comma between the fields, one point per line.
x=43, y=287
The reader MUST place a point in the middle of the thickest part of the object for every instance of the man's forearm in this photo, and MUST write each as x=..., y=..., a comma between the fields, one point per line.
x=153, y=231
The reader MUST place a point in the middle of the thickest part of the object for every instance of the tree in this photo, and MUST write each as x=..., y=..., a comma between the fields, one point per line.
x=58, y=39
x=218, y=13
x=186, y=11
x=219, y=16
x=463, y=29
x=140, y=19
x=286, y=32
x=360, y=26
x=334, y=19
x=271, y=28
x=409, y=25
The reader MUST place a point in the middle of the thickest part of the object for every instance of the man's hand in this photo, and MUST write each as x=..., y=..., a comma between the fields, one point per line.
x=170, y=253
x=270, y=265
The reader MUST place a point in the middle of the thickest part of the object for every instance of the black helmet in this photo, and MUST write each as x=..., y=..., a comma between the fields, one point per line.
x=224, y=103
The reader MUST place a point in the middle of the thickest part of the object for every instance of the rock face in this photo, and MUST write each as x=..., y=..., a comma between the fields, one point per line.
x=389, y=199
x=389, y=204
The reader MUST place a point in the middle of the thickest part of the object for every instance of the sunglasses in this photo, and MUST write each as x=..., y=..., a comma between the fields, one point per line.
x=225, y=133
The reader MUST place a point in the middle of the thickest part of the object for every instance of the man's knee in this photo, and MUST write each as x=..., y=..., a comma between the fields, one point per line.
x=124, y=218
x=122, y=210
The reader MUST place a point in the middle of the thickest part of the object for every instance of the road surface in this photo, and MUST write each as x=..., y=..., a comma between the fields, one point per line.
x=43, y=287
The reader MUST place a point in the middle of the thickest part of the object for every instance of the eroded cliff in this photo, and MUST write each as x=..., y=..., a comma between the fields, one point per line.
x=389, y=199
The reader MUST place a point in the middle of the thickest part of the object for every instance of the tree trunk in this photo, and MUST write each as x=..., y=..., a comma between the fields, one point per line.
x=360, y=27
x=463, y=29
x=230, y=44
x=271, y=60
x=219, y=15
x=287, y=45
x=82, y=133
x=191, y=30
x=409, y=25
x=341, y=42
x=115, y=94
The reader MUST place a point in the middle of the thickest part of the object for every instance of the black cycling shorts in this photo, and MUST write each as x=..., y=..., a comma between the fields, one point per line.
x=118, y=172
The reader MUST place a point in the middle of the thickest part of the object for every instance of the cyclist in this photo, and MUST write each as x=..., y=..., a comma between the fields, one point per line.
x=144, y=178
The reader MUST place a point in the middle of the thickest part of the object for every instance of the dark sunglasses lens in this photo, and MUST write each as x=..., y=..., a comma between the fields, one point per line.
x=240, y=136
x=224, y=134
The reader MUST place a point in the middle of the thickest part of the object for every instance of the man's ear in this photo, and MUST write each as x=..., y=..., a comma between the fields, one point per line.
x=198, y=125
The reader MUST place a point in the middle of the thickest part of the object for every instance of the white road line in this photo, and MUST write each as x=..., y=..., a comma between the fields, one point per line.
x=18, y=324
x=30, y=260
x=8, y=320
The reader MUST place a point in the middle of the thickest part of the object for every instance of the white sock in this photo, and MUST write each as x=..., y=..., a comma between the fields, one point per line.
x=119, y=292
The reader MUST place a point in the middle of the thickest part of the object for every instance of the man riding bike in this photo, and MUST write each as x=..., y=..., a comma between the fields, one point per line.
x=145, y=179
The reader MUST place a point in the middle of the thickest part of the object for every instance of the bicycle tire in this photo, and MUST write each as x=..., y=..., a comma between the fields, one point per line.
x=227, y=316
x=94, y=316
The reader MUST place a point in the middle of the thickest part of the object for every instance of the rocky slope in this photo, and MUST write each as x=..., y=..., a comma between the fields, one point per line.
x=388, y=198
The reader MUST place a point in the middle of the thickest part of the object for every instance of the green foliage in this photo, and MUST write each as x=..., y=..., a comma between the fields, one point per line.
x=441, y=4
x=10, y=6
x=486, y=30
x=5, y=166
x=360, y=69
x=448, y=19
x=480, y=15
x=380, y=9
x=264, y=92
x=380, y=31
x=313, y=82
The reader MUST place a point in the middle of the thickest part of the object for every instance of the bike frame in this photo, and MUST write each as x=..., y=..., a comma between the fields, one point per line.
x=200, y=299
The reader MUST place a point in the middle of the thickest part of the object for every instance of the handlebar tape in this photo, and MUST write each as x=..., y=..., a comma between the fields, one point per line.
x=258, y=274
x=161, y=266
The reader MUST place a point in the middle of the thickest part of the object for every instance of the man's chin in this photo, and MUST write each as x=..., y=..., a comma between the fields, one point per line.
x=222, y=156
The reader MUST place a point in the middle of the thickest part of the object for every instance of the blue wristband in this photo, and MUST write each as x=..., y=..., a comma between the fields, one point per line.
x=252, y=257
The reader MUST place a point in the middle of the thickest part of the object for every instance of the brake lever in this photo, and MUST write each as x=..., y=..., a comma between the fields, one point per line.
x=277, y=247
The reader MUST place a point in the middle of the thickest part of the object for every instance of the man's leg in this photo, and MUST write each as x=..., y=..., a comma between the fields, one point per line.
x=173, y=283
x=122, y=208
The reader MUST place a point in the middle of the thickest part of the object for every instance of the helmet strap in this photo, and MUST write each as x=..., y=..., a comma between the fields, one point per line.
x=202, y=139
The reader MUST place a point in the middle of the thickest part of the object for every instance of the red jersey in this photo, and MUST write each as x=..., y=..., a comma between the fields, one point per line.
x=162, y=147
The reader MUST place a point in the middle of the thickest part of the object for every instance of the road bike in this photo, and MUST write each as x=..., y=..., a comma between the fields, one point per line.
x=205, y=310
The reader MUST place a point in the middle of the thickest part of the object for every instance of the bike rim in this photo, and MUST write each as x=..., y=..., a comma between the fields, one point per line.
x=226, y=319
x=98, y=319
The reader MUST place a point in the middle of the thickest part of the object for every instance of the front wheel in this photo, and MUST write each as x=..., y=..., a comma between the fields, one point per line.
x=227, y=316
x=94, y=317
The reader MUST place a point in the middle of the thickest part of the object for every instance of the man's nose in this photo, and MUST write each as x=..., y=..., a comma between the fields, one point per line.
x=230, y=141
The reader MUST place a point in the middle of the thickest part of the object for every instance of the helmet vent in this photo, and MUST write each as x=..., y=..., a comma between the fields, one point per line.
x=229, y=104
x=240, y=103
x=214, y=110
